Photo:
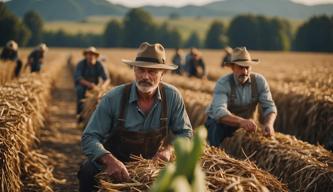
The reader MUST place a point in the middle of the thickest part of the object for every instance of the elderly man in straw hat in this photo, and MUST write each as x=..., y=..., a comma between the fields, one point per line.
x=236, y=96
x=134, y=118
x=36, y=58
x=88, y=73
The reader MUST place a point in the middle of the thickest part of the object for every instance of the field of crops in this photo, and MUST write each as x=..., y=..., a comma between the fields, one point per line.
x=302, y=87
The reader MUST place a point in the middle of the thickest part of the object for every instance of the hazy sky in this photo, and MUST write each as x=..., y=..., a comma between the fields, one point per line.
x=177, y=3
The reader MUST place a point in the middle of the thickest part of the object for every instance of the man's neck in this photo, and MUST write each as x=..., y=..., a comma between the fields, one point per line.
x=146, y=96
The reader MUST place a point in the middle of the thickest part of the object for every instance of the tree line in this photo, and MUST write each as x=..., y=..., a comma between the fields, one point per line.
x=255, y=32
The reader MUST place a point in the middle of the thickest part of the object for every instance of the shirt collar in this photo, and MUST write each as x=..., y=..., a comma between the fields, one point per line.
x=237, y=82
x=134, y=94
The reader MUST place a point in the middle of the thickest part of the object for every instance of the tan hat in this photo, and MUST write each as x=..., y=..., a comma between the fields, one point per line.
x=12, y=45
x=240, y=56
x=43, y=47
x=228, y=49
x=151, y=56
x=91, y=50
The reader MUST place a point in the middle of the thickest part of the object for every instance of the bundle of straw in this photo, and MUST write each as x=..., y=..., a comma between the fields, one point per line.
x=223, y=173
x=303, y=167
x=6, y=71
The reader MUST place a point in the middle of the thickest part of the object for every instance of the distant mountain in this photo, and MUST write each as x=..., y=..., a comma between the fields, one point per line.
x=80, y=9
x=66, y=9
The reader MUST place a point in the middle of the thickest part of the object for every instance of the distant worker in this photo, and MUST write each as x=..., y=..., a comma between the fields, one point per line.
x=178, y=60
x=10, y=53
x=36, y=58
x=227, y=56
x=235, y=99
x=88, y=74
x=196, y=66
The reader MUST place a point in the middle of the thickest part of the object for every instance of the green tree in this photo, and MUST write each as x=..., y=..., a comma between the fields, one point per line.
x=316, y=34
x=215, y=37
x=11, y=28
x=168, y=36
x=138, y=27
x=35, y=24
x=113, y=34
x=193, y=40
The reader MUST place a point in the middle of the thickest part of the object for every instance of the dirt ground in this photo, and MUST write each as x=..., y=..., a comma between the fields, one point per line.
x=60, y=139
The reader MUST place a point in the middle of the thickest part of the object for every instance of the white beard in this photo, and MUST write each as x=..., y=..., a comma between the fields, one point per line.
x=146, y=89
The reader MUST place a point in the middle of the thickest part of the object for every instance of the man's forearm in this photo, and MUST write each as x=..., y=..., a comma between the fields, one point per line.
x=231, y=120
x=270, y=119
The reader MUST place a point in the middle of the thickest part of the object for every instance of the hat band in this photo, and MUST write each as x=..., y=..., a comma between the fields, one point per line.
x=149, y=59
x=240, y=60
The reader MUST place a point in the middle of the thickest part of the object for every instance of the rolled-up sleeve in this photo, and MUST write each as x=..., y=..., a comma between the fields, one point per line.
x=98, y=128
x=179, y=121
x=265, y=97
x=219, y=106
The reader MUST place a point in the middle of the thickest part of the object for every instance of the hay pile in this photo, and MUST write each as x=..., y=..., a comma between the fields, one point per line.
x=6, y=71
x=22, y=104
x=303, y=167
x=222, y=173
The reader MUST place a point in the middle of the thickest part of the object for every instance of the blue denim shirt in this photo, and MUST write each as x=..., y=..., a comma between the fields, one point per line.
x=105, y=118
x=91, y=73
x=219, y=106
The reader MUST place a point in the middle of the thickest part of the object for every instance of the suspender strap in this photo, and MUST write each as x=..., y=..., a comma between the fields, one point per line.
x=124, y=103
x=254, y=87
x=164, y=112
x=232, y=96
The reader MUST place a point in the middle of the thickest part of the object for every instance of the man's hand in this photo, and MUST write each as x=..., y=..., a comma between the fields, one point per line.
x=114, y=168
x=268, y=130
x=164, y=154
x=248, y=124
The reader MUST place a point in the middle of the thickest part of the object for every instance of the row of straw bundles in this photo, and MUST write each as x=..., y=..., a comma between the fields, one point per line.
x=302, y=166
x=6, y=71
x=305, y=112
x=223, y=173
x=22, y=104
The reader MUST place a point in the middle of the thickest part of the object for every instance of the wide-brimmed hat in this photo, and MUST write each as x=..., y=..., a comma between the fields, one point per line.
x=240, y=56
x=228, y=49
x=42, y=47
x=150, y=56
x=92, y=50
x=12, y=45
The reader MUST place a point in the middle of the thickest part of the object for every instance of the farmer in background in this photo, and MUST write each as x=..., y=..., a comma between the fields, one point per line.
x=36, y=58
x=10, y=53
x=227, y=56
x=88, y=74
x=136, y=118
x=178, y=60
x=196, y=66
x=235, y=99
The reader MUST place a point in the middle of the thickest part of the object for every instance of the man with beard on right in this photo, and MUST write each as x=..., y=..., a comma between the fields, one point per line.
x=235, y=100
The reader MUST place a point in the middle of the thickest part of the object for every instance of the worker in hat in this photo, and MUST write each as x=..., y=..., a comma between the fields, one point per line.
x=88, y=74
x=36, y=58
x=235, y=99
x=10, y=53
x=136, y=118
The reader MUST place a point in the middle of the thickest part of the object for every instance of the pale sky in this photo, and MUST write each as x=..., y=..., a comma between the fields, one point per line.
x=178, y=3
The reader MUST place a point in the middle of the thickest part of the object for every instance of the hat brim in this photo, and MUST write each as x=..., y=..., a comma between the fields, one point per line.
x=243, y=63
x=149, y=64
x=95, y=53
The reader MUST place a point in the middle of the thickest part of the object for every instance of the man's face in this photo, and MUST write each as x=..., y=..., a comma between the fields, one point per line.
x=91, y=58
x=147, y=79
x=242, y=73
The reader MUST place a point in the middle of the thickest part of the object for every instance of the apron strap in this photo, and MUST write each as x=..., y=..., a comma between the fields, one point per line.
x=254, y=88
x=232, y=96
x=124, y=104
x=164, y=111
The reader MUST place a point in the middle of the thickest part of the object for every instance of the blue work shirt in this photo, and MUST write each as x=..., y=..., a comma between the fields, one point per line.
x=219, y=106
x=89, y=72
x=105, y=118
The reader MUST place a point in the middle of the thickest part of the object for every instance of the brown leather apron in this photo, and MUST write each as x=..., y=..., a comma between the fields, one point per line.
x=245, y=111
x=122, y=143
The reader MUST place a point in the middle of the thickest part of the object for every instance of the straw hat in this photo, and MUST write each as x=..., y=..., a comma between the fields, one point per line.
x=12, y=45
x=43, y=47
x=240, y=56
x=228, y=49
x=150, y=56
x=92, y=50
